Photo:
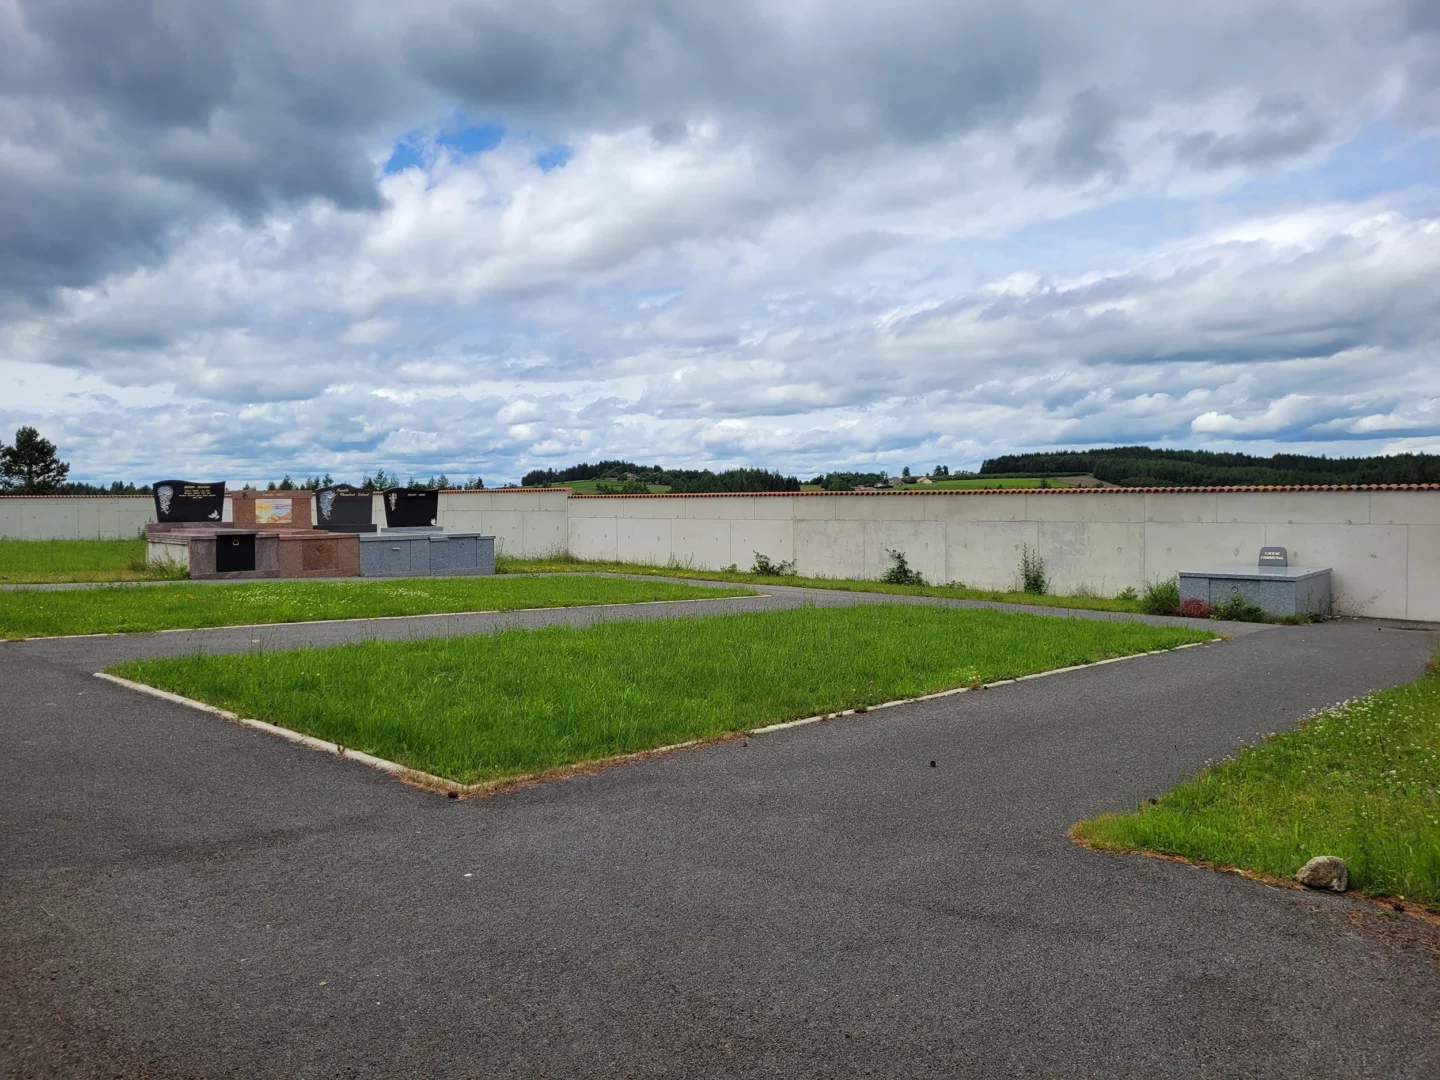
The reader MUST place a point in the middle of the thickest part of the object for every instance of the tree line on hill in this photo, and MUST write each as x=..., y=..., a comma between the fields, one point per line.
x=1141, y=466
x=626, y=477
x=32, y=466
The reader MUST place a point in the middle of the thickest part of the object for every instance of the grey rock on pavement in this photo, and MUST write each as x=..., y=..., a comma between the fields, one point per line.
x=1325, y=872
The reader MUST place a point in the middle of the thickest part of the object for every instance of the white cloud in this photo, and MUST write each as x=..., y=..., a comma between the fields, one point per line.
x=801, y=236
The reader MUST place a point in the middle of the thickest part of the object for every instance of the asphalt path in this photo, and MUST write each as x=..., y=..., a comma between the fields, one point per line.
x=180, y=896
x=94, y=651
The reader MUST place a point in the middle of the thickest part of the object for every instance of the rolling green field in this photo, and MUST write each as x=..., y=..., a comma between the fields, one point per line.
x=1361, y=781
x=131, y=608
x=587, y=487
x=489, y=707
x=506, y=565
x=38, y=562
x=1003, y=483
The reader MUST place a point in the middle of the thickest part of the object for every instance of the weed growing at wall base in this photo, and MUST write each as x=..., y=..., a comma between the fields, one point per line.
x=900, y=572
x=1032, y=572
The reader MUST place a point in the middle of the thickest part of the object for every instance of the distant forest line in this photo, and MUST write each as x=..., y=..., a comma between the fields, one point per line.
x=1126, y=466
x=1140, y=466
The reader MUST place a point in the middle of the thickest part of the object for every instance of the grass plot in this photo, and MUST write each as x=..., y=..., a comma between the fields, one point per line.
x=41, y=562
x=129, y=609
x=488, y=707
x=1361, y=781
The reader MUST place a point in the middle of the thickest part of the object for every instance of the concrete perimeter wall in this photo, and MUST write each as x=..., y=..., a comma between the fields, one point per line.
x=77, y=517
x=524, y=521
x=1384, y=546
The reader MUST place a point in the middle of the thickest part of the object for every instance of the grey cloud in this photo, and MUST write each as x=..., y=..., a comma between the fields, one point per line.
x=1084, y=148
x=1279, y=129
x=168, y=112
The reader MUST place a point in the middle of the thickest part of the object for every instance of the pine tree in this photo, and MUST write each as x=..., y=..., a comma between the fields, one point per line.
x=30, y=467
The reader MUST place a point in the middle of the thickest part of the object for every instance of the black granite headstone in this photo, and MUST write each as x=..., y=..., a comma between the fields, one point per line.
x=188, y=500
x=343, y=509
x=1274, y=556
x=409, y=509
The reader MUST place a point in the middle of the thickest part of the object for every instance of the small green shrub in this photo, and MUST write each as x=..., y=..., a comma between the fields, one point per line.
x=1162, y=597
x=1127, y=593
x=1238, y=609
x=765, y=567
x=900, y=572
x=1032, y=572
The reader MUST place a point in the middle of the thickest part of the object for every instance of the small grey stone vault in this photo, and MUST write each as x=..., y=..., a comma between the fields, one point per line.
x=425, y=552
x=1273, y=585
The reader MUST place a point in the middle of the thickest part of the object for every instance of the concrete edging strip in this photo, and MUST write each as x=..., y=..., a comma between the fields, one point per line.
x=453, y=787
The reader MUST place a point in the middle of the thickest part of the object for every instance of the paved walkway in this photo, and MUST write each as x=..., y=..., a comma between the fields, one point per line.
x=184, y=897
x=92, y=652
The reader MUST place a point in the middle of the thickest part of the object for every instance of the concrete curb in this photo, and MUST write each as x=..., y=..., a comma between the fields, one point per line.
x=430, y=782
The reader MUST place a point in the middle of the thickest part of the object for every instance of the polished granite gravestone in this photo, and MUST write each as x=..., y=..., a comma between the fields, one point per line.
x=407, y=508
x=344, y=509
x=1272, y=585
x=189, y=501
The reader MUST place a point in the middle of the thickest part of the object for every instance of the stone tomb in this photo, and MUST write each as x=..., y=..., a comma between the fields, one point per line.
x=269, y=537
x=272, y=509
x=303, y=550
x=1272, y=585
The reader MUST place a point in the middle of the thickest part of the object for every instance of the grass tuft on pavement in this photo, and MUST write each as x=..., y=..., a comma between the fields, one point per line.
x=131, y=609
x=489, y=707
x=567, y=565
x=44, y=562
x=1361, y=781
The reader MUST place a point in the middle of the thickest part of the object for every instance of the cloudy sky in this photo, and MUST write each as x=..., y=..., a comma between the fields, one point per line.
x=244, y=237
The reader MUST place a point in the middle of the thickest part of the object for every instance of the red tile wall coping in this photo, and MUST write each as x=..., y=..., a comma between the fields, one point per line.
x=280, y=495
x=1030, y=491
x=862, y=494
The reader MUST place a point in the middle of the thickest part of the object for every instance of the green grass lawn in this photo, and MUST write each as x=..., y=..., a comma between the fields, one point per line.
x=35, y=562
x=507, y=565
x=489, y=707
x=1361, y=781
x=126, y=609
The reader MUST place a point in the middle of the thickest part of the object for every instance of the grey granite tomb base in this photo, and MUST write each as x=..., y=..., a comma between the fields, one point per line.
x=1276, y=590
x=425, y=552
